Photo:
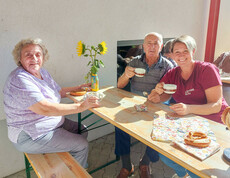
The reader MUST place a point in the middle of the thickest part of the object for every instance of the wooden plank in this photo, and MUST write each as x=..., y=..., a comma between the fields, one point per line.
x=73, y=165
x=54, y=165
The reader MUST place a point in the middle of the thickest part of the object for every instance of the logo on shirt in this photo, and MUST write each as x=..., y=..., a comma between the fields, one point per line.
x=188, y=92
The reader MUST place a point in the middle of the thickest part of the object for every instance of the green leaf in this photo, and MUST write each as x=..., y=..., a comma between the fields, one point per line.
x=87, y=77
x=97, y=63
x=102, y=64
x=92, y=47
x=88, y=63
x=86, y=55
x=94, y=70
x=100, y=47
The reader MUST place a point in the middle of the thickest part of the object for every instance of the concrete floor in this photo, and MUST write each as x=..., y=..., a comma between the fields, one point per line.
x=102, y=150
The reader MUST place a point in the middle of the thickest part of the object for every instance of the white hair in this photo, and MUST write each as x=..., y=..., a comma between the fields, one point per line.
x=158, y=35
x=21, y=44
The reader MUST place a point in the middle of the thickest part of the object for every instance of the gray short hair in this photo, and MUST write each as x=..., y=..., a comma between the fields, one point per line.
x=21, y=44
x=187, y=40
x=158, y=35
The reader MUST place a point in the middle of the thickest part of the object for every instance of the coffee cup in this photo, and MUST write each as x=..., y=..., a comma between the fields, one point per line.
x=139, y=72
x=169, y=88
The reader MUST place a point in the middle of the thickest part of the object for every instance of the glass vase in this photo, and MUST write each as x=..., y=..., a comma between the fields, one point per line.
x=94, y=82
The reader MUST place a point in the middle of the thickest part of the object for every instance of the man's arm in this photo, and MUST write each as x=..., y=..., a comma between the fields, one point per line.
x=124, y=79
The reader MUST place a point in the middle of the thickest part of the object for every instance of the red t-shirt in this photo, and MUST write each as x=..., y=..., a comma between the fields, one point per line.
x=192, y=91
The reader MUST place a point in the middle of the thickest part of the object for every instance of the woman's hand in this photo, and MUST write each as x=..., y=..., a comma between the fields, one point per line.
x=88, y=85
x=154, y=97
x=129, y=72
x=64, y=90
x=180, y=108
x=159, y=88
x=91, y=102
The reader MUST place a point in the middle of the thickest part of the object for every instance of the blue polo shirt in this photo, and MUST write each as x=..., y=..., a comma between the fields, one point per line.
x=153, y=74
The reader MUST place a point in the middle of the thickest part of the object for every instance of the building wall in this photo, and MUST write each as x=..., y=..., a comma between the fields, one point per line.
x=61, y=24
x=223, y=32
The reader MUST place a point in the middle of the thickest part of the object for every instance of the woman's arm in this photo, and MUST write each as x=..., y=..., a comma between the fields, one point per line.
x=64, y=90
x=55, y=109
x=214, y=103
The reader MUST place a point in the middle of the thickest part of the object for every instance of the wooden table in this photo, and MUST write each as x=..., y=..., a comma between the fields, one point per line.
x=117, y=107
x=225, y=80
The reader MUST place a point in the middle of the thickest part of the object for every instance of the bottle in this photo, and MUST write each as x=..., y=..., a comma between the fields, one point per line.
x=94, y=82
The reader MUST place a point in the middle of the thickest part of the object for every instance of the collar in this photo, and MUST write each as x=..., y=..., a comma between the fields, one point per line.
x=159, y=63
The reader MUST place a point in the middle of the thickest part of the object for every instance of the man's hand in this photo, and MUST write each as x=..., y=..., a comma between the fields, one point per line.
x=129, y=72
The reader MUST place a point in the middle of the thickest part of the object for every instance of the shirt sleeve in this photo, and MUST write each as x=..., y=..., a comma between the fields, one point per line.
x=24, y=90
x=210, y=76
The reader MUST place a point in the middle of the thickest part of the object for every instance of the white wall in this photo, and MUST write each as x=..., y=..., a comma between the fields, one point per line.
x=61, y=24
x=223, y=31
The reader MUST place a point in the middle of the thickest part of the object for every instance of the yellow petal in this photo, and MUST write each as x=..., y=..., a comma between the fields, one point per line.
x=103, y=44
x=79, y=48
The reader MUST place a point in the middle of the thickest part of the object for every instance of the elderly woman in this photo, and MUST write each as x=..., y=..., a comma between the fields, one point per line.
x=32, y=106
x=198, y=91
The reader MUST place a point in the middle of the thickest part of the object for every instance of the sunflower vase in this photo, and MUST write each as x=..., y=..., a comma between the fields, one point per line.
x=94, y=63
x=94, y=82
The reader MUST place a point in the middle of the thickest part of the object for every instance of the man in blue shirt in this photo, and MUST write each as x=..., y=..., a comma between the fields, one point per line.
x=156, y=66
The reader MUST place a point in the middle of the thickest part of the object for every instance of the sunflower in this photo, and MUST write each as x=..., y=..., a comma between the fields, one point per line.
x=80, y=48
x=102, y=47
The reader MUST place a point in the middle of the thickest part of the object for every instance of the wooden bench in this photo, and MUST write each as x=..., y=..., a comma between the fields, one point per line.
x=54, y=165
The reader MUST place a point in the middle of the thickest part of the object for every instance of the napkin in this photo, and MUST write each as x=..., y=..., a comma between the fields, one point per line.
x=200, y=153
x=167, y=130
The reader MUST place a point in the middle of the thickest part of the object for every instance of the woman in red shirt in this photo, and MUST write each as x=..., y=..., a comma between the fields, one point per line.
x=199, y=89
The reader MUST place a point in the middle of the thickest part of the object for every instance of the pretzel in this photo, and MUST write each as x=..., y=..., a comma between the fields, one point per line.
x=197, y=139
x=78, y=92
x=225, y=117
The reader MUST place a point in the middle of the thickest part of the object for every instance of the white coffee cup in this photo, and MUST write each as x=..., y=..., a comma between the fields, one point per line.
x=170, y=88
x=139, y=72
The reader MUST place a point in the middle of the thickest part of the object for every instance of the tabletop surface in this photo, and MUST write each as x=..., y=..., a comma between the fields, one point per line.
x=225, y=80
x=117, y=107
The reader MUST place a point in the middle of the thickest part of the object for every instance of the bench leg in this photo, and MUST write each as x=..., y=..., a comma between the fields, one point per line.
x=79, y=123
x=27, y=164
